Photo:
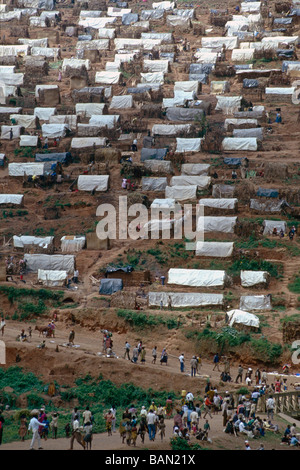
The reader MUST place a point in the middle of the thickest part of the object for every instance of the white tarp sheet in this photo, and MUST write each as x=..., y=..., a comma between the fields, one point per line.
x=197, y=277
x=269, y=226
x=239, y=122
x=214, y=249
x=14, y=50
x=154, y=184
x=23, y=241
x=230, y=42
x=242, y=55
x=107, y=77
x=89, y=109
x=252, y=278
x=52, y=278
x=201, y=181
x=72, y=244
x=240, y=144
x=85, y=142
x=242, y=317
x=35, y=262
x=109, y=120
x=30, y=169
x=96, y=23
x=230, y=203
x=28, y=141
x=228, y=104
x=156, y=65
x=280, y=91
x=93, y=182
x=164, y=204
x=187, y=86
x=195, y=168
x=155, y=77
x=76, y=64
x=106, y=33
x=5, y=132
x=44, y=113
x=255, y=302
x=27, y=121
x=12, y=79
x=250, y=7
x=216, y=224
x=54, y=130
x=69, y=120
x=50, y=52
x=16, y=199
x=188, y=145
x=121, y=102
x=184, y=299
x=170, y=129
x=163, y=5
x=181, y=193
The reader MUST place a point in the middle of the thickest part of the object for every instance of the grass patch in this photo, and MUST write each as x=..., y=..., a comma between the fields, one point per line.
x=142, y=320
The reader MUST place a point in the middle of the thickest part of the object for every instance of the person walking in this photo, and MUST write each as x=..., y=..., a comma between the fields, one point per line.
x=239, y=374
x=193, y=363
x=76, y=434
x=2, y=326
x=151, y=422
x=270, y=405
x=207, y=407
x=181, y=361
x=113, y=423
x=34, y=426
x=216, y=362
x=154, y=355
x=127, y=349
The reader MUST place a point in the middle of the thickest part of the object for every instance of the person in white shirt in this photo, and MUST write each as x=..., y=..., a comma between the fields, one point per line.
x=87, y=415
x=181, y=361
x=151, y=421
x=270, y=407
x=34, y=425
x=76, y=434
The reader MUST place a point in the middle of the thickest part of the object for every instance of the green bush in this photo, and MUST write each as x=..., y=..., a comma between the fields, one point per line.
x=141, y=320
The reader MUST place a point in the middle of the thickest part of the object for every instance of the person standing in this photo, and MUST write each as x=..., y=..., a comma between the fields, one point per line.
x=135, y=354
x=76, y=276
x=216, y=362
x=76, y=434
x=71, y=337
x=181, y=361
x=2, y=326
x=113, y=423
x=87, y=415
x=154, y=355
x=127, y=349
x=151, y=422
x=193, y=363
x=34, y=426
x=143, y=355
x=54, y=425
x=239, y=374
x=270, y=405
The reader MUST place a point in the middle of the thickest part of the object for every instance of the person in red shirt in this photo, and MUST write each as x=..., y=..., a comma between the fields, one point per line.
x=207, y=407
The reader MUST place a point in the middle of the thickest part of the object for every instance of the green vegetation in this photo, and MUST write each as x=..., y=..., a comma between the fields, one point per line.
x=294, y=286
x=31, y=302
x=290, y=318
x=275, y=270
x=97, y=393
x=141, y=320
x=228, y=340
x=178, y=443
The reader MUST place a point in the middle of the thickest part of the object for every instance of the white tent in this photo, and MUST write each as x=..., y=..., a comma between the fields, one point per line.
x=28, y=141
x=202, y=182
x=240, y=144
x=44, y=113
x=106, y=33
x=214, y=249
x=169, y=204
x=170, y=129
x=107, y=77
x=250, y=7
x=253, y=278
x=121, y=102
x=5, y=132
x=152, y=77
x=242, y=55
x=93, y=182
x=30, y=169
x=154, y=184
x=54, y=130
x=239, y=123
x=187, y=86
x=269, y=226
x=197, y=277
x=216, y=224
x=89, y=109
x=85, y=142
x=227, y=204
x=34, y=262
x=76, y=64
x=181, y=193
x=11, y=79
x=156, y=65
x=51, y=278
x=230, y=42
x=69, y=120
x=27, y=121
x=255, y=302
x=188, y=145
x=96, y=23
x=228, y=104
x=105, y=120
x=243, y=318
x=195, y=168
x=71, y=244
x=15, y=199
x=24, y=240
x=184, y=299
